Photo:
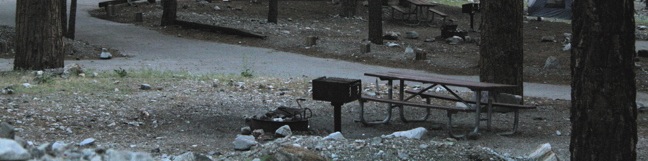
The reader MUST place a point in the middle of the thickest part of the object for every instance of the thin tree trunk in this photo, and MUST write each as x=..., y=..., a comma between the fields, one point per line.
x=375, y=22
x=603, y=113
x=39, y=36
x=169, y=12
x=502, y=42
x=72, y=22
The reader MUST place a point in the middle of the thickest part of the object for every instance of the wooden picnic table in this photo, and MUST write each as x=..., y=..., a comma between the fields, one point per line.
x=421, y=8
x=435, y=81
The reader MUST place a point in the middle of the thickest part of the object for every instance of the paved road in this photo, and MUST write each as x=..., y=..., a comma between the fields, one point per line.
x=153, y=50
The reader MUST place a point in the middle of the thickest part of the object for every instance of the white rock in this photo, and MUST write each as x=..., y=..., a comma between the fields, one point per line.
x=551, y=63
x=11, y=150
x=392, y=44
x=416, y=133
x=127, y=156
x=26, y=85
x=558, y=133
x=284, y=131
x=542, y=152
x=145, y=86
x=244, y=142
x=87, y=141
x=334, y=136
x=567, y=47
x=409, y=50
x=105, y=54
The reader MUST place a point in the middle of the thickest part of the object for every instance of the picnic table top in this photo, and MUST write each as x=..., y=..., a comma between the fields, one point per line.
x=439, y=80
x=423, y=2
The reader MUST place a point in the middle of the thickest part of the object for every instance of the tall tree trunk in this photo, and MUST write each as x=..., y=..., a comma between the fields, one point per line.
x=39, y=36
x=349, y=8
x=375, y=22
x=273, y=11
x=169, y=8
x=603, y=113
x=502, y=42
x=72, y=22
x=63, y=15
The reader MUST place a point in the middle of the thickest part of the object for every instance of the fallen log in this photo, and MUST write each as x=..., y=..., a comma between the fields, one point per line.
x=212, y=28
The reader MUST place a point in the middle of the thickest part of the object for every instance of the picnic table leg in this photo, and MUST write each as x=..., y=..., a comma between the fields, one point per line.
x=489, y=107
x=475, y=131
x=389, y=108
x=516, y=121
x=366, y=123
x=449, y=127
x=401, y=97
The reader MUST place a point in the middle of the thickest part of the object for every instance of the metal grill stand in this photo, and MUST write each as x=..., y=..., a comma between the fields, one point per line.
x=337, y=91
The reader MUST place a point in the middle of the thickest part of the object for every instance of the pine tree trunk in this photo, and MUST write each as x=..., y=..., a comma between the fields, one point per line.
x=603, y=113
x=273, y=11
x=375, y=22
x=39, y=35
x=169, y=8
x=502, y=42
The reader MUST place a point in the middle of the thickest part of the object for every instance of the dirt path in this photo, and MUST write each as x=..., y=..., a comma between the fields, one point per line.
x=153, y=50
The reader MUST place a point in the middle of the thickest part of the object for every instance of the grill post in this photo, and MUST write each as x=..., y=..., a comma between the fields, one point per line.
x=337, y=116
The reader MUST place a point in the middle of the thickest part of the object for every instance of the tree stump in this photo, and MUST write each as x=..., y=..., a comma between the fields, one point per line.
x=420, y=55
x=365, y=47
x=110, y=10
x=139, y=17
x=311, y=40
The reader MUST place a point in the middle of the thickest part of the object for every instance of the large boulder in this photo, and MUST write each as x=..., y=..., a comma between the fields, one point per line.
x=11, y=150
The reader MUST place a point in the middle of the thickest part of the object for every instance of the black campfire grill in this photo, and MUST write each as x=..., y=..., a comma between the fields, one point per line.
x=338, y=91
x=470, y=8
x=296, y=118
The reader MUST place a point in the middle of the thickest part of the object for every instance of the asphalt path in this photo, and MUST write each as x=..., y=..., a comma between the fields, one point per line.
x=153, y=50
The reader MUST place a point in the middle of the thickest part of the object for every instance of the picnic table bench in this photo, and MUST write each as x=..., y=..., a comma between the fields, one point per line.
x=402, y=101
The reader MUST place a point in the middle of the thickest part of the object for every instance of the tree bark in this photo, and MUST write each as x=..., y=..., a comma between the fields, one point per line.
x=39, y=36
x=72, y=22
x=348, y=8
x=502, y=44
x=603, y=113
x=375, y=22
x=169, y=9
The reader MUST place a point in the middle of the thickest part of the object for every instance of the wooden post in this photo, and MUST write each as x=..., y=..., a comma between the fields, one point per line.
x=139, y=17
x=311, y=40
x=273, y=11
